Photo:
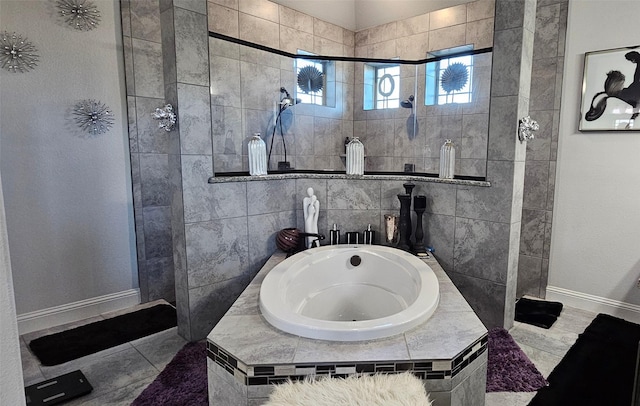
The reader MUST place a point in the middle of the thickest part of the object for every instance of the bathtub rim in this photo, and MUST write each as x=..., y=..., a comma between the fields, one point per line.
x=277, y=313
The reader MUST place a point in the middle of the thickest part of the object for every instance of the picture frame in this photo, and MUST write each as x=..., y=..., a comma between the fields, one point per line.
x=611, y=90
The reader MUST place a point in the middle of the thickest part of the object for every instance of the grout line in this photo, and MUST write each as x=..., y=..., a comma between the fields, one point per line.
x=145, y=358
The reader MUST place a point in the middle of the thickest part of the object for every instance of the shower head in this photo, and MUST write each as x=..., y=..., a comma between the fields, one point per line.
x=287, y=100
x=407, y=104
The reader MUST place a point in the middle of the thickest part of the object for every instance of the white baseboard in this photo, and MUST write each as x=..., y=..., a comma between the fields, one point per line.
x=596, y=304
x=70, y=312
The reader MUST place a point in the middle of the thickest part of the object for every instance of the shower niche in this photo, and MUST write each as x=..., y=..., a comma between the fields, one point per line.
x=306, y=106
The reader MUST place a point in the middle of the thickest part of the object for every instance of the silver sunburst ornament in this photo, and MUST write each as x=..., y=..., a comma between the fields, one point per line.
x=17, y=54
x=80, y=14
x=93, y=117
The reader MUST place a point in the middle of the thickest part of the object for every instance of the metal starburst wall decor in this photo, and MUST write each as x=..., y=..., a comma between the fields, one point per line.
x=16, y=53
x=80, y=14
x=93, y=117
x=166, y=116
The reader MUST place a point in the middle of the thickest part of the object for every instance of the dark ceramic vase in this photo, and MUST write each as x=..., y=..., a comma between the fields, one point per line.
x=287, y=239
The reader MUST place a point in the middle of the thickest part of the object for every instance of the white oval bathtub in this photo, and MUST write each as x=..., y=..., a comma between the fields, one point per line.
x=320, y=294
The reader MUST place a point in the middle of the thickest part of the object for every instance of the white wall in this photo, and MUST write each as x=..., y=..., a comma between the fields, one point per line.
x=11, y=385
x=595, y=245
x=68, y=197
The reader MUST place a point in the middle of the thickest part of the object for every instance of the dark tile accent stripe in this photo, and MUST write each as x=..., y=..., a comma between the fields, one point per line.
x=266, y=374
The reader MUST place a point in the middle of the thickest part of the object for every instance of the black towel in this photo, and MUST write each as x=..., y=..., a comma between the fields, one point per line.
x=538, y=313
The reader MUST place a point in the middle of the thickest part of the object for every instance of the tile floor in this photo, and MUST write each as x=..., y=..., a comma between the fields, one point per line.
x=119, y=374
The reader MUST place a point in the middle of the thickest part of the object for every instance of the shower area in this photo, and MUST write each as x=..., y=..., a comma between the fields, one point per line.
x=307, y=130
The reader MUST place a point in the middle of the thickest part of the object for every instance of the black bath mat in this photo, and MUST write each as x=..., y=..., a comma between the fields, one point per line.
x=599, y=369
x=67, y=345
x=539, y=313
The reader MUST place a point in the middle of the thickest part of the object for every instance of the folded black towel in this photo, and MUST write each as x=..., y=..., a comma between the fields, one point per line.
x=539, y=313
x=538, y=320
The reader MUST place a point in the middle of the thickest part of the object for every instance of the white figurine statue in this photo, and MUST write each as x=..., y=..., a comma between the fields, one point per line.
x=311, y=208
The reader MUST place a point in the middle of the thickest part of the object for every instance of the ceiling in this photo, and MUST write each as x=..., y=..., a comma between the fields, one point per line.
x=356, y=15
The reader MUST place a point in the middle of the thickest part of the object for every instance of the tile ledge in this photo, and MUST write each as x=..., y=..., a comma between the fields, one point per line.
x=399, y=177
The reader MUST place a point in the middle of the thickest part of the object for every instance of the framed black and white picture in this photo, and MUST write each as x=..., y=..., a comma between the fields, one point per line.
x=611, y=90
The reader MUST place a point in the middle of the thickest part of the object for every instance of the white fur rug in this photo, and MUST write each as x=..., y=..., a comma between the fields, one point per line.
x=368, y=390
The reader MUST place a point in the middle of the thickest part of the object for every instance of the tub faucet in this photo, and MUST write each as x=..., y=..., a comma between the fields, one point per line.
x=314, y=243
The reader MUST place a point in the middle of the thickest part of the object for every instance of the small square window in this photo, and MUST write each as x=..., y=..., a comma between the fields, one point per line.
x=381, y=86
x=449, y=80
x=311, y=81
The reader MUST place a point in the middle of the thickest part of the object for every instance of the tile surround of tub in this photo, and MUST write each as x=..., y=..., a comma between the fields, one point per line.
x=230, y=258
x=481, y=249
x=263, y=229
x=486, y=297
x=244, y=362
x=439, y=223
x=432, y=370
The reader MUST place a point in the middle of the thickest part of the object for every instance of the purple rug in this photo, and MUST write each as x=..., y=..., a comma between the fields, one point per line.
x=182, y=382
x=509, y=369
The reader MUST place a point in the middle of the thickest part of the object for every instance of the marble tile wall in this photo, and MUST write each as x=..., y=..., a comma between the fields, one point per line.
x=244, y=91
x=222, y=233
x=149, y=147
x=205, y=236
x=467, y=125
x=488, y=221
x=233, y=232
x=546, y=87
x=245, y=85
